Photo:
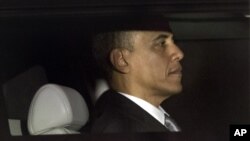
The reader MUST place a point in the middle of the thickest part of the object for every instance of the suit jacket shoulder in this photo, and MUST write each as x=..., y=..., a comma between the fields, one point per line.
x=116, y=113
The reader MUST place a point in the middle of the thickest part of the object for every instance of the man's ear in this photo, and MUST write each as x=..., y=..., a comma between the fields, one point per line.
x=118, y=58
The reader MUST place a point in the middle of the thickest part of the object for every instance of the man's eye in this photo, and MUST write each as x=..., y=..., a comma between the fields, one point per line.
x=163, y=44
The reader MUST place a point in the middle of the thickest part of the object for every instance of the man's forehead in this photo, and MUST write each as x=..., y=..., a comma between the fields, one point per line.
x=153, y=34
x=168, y=33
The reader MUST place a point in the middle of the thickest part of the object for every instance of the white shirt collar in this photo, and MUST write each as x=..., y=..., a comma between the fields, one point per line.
x=156, y=112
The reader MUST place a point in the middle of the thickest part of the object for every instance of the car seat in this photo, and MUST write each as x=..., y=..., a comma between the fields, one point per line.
x=18, y=92
x=57, y=109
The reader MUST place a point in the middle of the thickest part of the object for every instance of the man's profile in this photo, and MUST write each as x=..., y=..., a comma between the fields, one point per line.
x=143, y=69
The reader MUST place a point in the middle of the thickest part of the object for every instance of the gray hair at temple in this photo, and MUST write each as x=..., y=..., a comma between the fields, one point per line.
x=104, y=43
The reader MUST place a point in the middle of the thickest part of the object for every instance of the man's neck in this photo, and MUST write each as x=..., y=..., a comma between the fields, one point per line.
x=152, y=97
x=125, y=83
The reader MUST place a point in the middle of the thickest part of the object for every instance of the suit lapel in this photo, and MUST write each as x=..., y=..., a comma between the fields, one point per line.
x=125, y=106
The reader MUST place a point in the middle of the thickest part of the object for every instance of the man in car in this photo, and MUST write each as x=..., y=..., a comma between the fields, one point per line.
x=142, y=65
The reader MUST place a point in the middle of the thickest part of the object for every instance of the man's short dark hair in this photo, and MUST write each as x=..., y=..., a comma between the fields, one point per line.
x=104, y=43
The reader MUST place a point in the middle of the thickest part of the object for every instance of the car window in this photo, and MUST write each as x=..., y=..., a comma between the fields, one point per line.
x=53, y=45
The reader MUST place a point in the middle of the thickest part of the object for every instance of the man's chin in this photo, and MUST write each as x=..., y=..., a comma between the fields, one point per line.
x=174, y=90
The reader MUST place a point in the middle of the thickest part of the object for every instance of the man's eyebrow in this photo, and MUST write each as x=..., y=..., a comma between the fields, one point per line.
x=162, y=36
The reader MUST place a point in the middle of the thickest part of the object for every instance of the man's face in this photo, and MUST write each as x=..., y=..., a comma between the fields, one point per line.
x=155, y=62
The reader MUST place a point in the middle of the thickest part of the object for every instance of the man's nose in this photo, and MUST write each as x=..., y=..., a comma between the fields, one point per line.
x=177, y=54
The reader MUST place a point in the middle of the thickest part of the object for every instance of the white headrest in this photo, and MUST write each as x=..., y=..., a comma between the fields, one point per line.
x=54, y=107
x=101, y=87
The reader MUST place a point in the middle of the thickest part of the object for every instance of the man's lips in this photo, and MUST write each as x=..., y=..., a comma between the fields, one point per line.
x=176, y=71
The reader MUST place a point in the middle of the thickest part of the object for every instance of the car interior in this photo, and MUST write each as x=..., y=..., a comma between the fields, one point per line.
x=48, y=72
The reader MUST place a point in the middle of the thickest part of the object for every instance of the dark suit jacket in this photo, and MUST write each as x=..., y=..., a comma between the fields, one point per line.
x=116, y=113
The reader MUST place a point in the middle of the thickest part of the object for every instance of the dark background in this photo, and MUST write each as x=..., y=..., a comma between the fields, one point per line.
x=215, y=66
